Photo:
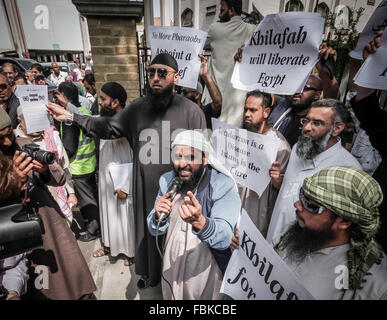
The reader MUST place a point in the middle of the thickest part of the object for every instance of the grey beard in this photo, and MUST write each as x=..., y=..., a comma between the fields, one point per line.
x=308, y=148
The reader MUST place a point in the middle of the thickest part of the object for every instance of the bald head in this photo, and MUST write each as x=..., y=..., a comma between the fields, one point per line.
x=55, y=68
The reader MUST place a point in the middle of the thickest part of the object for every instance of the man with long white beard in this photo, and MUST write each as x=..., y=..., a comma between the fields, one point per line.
x=318, y=147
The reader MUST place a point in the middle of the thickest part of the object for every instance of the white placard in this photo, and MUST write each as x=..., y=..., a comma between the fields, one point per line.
x=257, y=272
x=120, y=174
x=281, y=53
x=33, y=100
x=376, y=23
x=184, y=44
x=247, y=155
x=373, y=72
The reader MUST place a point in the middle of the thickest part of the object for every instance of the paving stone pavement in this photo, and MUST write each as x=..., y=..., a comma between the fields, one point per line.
x=113, y=279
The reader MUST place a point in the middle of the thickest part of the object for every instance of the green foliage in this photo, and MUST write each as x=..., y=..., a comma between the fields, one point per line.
x=344, y=35
x=339, y=38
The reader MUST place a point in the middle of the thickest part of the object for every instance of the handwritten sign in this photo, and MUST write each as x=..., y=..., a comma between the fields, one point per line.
x=376, y=23
x=256, y=272
x=184, y=44
x=373, y=72
x=281, y=53
x=33, y=100
x=247, y=155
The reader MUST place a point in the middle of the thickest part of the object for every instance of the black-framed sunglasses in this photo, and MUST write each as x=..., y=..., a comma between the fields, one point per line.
x=161, y=72
x=312, y=208
x=307, y=87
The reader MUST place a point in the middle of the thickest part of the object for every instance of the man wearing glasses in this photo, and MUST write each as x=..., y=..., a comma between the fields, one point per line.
x=318, y=147
x=148, y=123
x=8, y=101
x=300, y=103
x=332, y=246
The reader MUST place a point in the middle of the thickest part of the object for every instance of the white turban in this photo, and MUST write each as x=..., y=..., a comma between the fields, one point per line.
x=196, y=139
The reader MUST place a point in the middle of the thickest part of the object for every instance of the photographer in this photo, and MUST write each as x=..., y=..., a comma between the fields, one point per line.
x=49, y=140
x=68, y=275
x=13, y=270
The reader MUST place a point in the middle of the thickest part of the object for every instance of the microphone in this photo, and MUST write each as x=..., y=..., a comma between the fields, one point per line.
x=175, y=187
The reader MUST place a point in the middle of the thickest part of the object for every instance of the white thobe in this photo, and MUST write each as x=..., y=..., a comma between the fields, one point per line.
x=298, y=169
x=224, y=39
x=116, y=215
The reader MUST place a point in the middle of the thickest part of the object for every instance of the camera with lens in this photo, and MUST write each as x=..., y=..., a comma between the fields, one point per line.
x=32, y=150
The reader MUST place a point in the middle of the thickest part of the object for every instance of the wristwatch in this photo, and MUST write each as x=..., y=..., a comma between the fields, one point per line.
x=70, y=119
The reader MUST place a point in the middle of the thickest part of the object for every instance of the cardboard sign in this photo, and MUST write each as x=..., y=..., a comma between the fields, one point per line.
x=376, y=23
x=256, y=271
x=281, y=53
x=247, y=155
x=373, y=72
x=184, y=44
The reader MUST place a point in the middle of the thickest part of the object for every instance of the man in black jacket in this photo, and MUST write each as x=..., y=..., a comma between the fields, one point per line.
x=373, y=120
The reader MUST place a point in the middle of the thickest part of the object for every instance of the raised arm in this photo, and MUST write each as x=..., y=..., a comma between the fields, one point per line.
x=330, y=86
x=213, y=90
x=100, y=127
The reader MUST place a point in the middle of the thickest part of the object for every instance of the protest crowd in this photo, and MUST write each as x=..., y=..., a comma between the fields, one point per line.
x=150, y=181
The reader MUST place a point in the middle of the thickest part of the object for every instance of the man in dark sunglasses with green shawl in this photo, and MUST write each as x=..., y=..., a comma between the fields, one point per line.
x=332, y=245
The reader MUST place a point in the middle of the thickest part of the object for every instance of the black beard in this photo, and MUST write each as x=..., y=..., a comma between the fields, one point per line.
x=160, y=99
x=107, y=112
x=251, y=127
x=191, y=183
x=300, y=242
x=225, y=18
x=301, y=106
x=308, y=148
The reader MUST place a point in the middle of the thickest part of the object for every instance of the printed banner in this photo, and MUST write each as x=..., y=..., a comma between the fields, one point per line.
x=281, y=53
x=33, y=100
x=376, y=23
x=247, y=155
x=373, y=72
x=184, y=44
x=257, y=272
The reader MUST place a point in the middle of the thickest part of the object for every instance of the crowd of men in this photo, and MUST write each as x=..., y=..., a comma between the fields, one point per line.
x=175, y=214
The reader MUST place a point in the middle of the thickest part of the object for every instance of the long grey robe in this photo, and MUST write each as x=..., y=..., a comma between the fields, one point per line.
x=149, y=145
x=224, y=39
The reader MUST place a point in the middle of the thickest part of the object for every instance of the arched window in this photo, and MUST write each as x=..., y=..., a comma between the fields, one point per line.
x=294, y=5
x=323, y=9
x=186, y=18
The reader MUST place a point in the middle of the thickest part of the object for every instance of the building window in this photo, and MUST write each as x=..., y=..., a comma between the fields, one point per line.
x=211, y=10
x=323, y=9
x=371, y=2
x=294, y=5
x=186, y=18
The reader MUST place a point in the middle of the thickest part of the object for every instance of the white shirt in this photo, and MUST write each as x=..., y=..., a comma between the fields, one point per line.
x=323, y=274
x=298, y=169
x=57, y=80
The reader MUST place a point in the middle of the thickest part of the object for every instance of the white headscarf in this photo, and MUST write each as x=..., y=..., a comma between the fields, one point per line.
x=196, y=139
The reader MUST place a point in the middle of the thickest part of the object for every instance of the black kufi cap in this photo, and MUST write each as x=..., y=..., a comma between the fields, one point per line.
x=166, y=59
x=115, y=91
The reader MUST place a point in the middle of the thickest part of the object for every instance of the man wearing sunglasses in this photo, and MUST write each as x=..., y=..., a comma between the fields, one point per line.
x=318, y=147
x=332, y=246
x=147, y=123
x=8, y=100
